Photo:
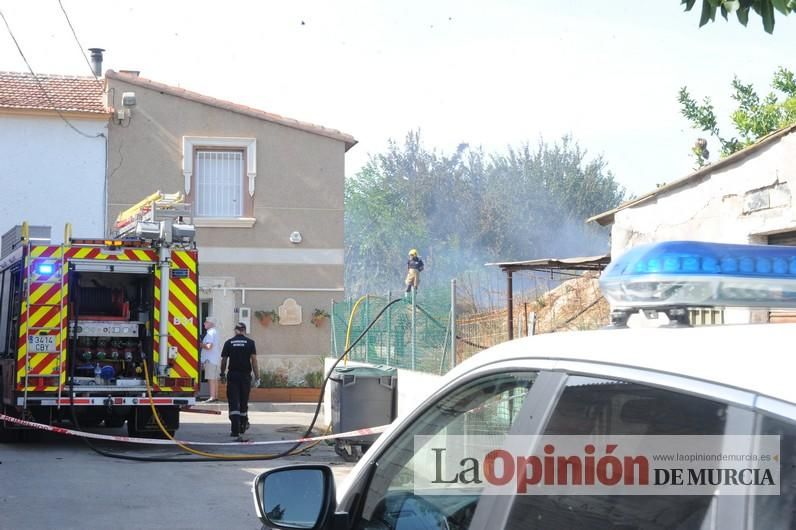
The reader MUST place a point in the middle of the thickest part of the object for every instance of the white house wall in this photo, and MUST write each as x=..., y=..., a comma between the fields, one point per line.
x=51, y=175
x=741, y=203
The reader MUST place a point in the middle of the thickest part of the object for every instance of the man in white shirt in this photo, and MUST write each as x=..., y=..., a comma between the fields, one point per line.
x=211, y=356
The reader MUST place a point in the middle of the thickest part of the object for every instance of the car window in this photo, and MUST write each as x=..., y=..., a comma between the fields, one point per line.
x=486, y=407
x=778, y=512
x=601, y=407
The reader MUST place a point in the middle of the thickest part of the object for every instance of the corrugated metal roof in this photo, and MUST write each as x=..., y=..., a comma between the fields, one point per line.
x=579, y=264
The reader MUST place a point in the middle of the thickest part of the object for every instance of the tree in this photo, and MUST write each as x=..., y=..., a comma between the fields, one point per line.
x=470, y=207
x=741, y=8
x=752, y=119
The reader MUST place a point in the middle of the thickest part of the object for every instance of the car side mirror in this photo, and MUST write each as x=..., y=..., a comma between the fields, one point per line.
x=295, y=497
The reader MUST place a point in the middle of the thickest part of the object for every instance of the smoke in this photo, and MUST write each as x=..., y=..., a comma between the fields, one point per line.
x=468, y=208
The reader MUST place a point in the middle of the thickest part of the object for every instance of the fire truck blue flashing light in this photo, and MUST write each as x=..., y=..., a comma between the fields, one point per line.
x=45, y=268
x=697, y=274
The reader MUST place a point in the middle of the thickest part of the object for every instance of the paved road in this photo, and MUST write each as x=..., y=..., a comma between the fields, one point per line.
x=60, y=483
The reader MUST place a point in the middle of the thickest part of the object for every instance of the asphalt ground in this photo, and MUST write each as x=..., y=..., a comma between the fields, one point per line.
x=59, y=482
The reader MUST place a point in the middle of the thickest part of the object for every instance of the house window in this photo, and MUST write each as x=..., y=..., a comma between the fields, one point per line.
x=220, y=174
x=220, y=177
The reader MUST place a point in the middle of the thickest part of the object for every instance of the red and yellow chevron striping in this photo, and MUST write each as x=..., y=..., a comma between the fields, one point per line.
x=183, y=324
x=45, y=313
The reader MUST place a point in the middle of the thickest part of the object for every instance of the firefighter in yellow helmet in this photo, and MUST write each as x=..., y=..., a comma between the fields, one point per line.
x=413, y=268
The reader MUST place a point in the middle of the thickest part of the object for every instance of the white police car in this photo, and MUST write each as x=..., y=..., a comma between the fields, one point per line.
x=725, y=386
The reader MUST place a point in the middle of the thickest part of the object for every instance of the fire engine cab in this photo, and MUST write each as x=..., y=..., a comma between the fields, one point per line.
x=90, y=329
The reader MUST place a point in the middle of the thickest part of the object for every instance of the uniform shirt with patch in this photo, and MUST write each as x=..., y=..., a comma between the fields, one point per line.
x=239, y=350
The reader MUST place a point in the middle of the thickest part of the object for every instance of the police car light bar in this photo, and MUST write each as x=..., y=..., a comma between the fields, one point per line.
x=697, y=274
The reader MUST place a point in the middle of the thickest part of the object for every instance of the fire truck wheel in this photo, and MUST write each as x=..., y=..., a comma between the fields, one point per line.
x=133, y=432
x=30, y=435
x=114, y=421
x=7, y=435
x=89, y=421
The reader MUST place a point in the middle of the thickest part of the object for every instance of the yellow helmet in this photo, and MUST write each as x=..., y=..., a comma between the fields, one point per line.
x=413, y=252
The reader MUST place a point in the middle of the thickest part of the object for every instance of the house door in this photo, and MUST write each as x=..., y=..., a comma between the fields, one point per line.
x=205, y=310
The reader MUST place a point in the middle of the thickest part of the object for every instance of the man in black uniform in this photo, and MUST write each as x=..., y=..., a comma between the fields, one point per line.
x=241, y=354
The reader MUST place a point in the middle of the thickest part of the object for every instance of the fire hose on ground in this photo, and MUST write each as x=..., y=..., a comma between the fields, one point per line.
x=203, y=456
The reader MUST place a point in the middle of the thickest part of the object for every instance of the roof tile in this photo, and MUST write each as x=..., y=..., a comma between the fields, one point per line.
x=233, y=107
x=66, y=93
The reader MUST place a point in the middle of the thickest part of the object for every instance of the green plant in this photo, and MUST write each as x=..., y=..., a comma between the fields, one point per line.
x=755, y=116
x=266, y=317
x=318, y=316
x=742, y=9
x=272, y=380
x=313, y=379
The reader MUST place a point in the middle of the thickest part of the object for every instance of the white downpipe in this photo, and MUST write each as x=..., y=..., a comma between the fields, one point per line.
x=164, y=256
x=277, y=289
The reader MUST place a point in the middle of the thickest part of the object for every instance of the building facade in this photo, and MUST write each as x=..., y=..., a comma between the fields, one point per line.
x=267, y=197
x=746, y=197
x=52, y=153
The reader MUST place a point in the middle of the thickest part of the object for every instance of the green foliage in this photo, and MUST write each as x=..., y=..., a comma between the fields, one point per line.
x=464, y=209
x=272, y=314
x=741, y=8
x=273, y=380
x=754, y=116
x=277, y=380
x=313, y=379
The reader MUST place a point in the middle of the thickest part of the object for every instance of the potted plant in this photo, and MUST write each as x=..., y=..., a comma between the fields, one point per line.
x=318, y=316
x=266, y=317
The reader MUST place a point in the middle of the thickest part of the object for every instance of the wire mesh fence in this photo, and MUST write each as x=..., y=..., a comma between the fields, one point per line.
x=417, y=335
x=408, y=335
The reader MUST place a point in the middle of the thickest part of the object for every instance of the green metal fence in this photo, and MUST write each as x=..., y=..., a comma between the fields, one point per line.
x=413, y=333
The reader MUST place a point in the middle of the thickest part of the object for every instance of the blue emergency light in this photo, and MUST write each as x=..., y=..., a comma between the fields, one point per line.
x=697, y=274
x=45, y=268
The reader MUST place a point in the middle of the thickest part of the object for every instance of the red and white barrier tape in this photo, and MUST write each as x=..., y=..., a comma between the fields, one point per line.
x=129, y=439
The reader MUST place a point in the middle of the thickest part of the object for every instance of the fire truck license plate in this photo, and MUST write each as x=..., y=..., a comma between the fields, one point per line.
x=42, y=343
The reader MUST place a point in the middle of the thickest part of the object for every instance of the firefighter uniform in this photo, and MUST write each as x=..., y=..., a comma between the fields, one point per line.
x=241, y=353
x=413, y=268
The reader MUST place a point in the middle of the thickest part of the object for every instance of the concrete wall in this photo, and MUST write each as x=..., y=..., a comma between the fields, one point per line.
x=53, y=174
x=298, y=187
x=742, y=203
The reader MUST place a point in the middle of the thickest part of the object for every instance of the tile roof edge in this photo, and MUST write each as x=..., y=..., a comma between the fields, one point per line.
x=143, y=82
x=607, y=217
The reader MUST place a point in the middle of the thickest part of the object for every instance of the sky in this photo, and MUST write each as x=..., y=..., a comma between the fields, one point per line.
x=489, y=74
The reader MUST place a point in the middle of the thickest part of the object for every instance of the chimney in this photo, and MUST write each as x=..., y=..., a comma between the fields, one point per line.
x=96, y=60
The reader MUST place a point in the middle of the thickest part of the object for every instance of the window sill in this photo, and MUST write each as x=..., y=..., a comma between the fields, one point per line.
x=224, y=222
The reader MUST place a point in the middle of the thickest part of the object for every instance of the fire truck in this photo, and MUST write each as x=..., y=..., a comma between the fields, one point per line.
x=90, y=329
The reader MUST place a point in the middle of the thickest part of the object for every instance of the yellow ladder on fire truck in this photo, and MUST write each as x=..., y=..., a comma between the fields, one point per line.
x=153, y=208
x=55, y=277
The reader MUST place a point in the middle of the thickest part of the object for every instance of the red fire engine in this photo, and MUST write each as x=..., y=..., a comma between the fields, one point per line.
x=83, y=322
